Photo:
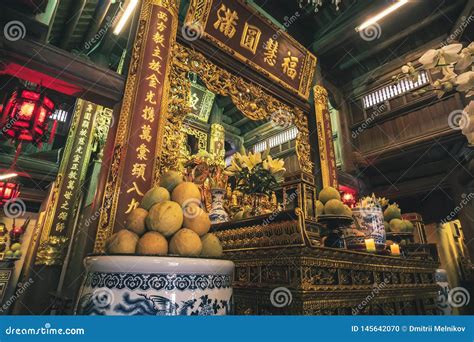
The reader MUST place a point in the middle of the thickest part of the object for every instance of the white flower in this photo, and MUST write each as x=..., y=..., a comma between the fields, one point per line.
x=405, y=69
x=469, y=112
x=446, y=55
x=465, y=81
x=466, y=58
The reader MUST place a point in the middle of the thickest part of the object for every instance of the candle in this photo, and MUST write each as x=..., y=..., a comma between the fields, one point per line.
x=370, y=245
x=395, y=249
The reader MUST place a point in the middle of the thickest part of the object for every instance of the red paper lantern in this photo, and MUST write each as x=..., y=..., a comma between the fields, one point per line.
x=8, y=191
x=25, y=116
x=348, y=195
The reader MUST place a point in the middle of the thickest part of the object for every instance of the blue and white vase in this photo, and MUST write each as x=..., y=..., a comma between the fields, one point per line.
x=157, y=286
x=369, y=222
x=218, y=213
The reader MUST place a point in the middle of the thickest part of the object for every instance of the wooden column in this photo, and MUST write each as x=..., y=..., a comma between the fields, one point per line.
x=134, y=167
x=326, y=146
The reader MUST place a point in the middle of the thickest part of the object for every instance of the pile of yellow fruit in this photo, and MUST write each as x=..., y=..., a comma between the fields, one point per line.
x=169, y=220
x=330, y=203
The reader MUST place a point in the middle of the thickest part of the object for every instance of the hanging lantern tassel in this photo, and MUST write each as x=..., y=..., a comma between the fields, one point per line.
x=53, y=132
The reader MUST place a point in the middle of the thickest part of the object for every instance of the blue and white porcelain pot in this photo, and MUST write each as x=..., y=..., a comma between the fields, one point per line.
x=148, y=285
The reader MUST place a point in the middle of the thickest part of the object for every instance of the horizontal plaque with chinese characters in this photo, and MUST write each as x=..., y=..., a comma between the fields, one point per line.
x=247, y=35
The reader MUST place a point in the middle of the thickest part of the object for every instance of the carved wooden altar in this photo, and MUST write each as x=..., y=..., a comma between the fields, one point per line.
x=282, y=254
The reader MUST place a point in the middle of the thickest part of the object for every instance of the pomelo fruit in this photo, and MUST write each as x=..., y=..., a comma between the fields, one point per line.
x=396, y=225
x=152, y=243
x=15, y=247
x=334, y=207
x=170, y=180
x=153, y=196
x=408, y=226
x=9, y=254
x=17, y=254
x=329, y=193
x=387, y=226
x=392, y=212
x=347, y=210
x=211, y=246
x=165, y=217
x=122, y=242
x=196, y=219
x=186, y=243
x=319, y=208
x=135, y=221
x=186, y=192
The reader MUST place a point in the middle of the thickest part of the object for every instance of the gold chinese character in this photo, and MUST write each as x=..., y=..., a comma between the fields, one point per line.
x=226, y=21
x=62, y=216
x=60, y=227
x=157, y=52
x=135, y=189
x=138, y=170
x=68, y=195
x=83, y=132
x=76, y=158
x=163, y=16
x=150, y=97
x=142, y=152
x=161, y=26
x=271, y=50
x=289, y=65
x=153, y=81
x=250, y=37
x=81, y=141
x=72, y=175
x=79, y=150
x=148, y=114
x=155, y=66
x=158, y=38
x=132, y=205
x=71, y=185
x=146, y=133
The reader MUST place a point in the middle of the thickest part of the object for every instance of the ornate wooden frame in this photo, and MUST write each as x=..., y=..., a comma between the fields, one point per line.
x=249, y=98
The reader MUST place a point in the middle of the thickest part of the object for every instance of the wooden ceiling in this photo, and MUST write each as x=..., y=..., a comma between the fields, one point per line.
x=343, y=53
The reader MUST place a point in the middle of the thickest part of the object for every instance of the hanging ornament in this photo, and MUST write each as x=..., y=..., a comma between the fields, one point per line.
x=318, y=3
x=9, y=190
x=25, y=116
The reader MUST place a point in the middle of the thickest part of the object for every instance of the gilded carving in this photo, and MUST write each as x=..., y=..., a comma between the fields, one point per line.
x=250, y=99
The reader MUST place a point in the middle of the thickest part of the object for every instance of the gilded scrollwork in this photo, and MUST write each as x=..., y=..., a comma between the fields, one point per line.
x=249, y=98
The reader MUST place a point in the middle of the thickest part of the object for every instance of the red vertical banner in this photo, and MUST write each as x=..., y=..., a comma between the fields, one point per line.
x=143, y=109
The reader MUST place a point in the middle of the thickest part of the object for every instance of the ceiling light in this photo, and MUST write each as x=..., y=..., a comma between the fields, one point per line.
x=125, y=16
x=8, y=175
x=381, y=15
